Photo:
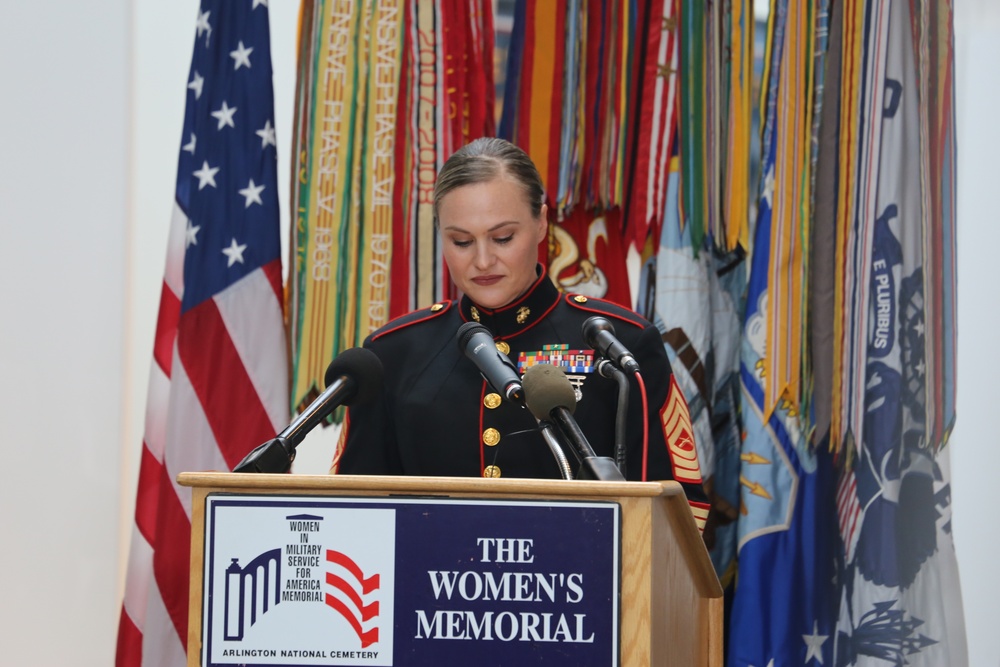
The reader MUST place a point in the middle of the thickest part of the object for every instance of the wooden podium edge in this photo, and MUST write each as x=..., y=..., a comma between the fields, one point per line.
x=429, y=485
x=707, y=593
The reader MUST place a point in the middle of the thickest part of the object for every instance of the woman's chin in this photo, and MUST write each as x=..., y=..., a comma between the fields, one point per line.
x=490, y=297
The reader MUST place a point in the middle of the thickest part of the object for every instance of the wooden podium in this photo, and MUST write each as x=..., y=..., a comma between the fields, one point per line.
x=670, y=608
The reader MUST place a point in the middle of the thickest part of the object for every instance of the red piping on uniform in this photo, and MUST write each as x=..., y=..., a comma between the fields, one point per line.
x=544, y=315
x=520, y=331
x=425, y=314
x=524, y=298
x=492, y=312
x=604, y=313
x=345, y=428
x=482, y=446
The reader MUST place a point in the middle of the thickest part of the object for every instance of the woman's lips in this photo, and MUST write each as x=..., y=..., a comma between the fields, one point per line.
x=486, y=281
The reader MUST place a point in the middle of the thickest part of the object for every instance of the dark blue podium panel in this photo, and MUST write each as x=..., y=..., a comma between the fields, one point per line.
x=292, y=580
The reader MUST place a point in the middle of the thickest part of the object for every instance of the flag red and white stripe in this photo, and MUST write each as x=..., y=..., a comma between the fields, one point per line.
x=219, y=379
x=849, y=514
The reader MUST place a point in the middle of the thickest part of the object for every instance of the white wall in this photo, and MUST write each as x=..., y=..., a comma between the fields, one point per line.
x=64, y=120
x=91, y=115
x=976, y=442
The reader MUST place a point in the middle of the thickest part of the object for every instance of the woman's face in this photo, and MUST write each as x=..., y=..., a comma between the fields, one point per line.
x=491, y=240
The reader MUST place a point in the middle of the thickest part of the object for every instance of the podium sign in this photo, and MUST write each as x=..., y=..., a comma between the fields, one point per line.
x=296, y=580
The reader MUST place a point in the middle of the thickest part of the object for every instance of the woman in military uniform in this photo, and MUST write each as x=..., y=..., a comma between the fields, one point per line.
x=436, y=415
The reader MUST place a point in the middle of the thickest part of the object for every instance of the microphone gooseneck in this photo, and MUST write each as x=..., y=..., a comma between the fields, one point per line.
x=353, y=377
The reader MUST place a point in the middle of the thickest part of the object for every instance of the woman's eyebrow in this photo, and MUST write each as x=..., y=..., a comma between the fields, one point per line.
x=495, y=227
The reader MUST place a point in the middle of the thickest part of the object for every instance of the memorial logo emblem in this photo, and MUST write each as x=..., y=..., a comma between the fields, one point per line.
x=297, y=587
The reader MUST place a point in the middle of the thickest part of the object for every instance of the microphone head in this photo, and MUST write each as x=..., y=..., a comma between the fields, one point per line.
x=466, y=332
x=363, y=367
x=546, y=388
x=593, y=326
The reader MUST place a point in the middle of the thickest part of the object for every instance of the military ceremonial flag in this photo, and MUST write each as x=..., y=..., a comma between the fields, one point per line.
x=695, y=297
x=785, y=599
x=900, y=600
x=735, y=220
x=218, y=384
x=387, y=90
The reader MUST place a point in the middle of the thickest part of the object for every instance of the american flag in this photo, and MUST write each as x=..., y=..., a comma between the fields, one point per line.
x=219, y=380
x=849, y=514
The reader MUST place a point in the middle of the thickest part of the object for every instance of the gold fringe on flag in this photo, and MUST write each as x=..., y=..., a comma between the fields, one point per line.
x=386, y=90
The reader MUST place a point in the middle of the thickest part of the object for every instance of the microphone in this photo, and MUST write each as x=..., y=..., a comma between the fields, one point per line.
x=476, y=342
x=599, y=333
x=550, y=396
x=354, y=376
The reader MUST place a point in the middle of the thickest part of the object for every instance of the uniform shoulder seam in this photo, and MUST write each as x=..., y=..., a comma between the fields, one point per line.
x=604, y=307
x=413, y=318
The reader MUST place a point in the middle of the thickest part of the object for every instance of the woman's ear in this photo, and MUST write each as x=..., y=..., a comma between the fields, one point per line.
x=543, y=224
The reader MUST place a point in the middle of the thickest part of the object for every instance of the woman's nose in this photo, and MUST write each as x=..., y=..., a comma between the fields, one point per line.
x=484, y=256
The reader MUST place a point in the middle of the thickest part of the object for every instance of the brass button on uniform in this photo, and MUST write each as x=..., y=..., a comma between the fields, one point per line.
x=492, y=401
x=579, y=298
x=436, y=307
x=491, y=437
x=491, y=471
x=503, y=347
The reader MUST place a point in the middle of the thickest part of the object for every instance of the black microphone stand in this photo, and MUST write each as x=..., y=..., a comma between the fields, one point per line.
x=608, y=370
x=275, y=455
x=592, y=466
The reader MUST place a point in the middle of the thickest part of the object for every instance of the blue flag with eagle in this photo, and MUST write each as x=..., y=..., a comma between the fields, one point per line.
x=900, y=598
